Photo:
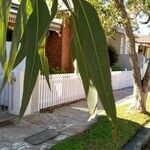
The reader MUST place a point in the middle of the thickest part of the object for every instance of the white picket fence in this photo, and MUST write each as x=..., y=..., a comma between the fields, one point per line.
x=69, y=88
x=64, y=88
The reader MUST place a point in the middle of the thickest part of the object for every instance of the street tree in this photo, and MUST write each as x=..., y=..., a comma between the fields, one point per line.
x=141, y=85
x=125, y=14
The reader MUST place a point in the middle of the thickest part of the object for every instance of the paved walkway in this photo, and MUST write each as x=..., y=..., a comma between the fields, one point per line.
x=68, y=120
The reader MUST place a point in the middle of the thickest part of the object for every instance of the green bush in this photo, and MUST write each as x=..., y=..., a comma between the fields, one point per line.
x=113, y=56
x=53, y=70
x=57, y=70
x=116, y=68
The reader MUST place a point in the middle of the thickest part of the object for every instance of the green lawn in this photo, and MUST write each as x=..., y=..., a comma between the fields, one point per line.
x=99, y=137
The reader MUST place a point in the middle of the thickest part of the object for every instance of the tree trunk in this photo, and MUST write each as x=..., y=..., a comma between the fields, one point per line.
x=140, y=86
x=146, y=85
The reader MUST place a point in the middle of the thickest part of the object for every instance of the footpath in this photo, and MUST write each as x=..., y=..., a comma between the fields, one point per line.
x=61, y=123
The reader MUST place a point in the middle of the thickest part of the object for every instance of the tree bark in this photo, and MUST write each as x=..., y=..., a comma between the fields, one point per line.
x=140, y=86
x=146, y=85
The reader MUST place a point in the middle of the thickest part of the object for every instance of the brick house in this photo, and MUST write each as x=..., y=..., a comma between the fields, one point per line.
x=58, y=41
x=58, y=45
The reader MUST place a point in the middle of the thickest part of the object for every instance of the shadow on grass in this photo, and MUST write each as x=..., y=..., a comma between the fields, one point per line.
x=99, y=137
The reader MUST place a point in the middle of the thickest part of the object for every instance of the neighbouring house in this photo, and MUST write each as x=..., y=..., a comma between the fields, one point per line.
x=58, y=40
x=143, y=45
x=119, y=42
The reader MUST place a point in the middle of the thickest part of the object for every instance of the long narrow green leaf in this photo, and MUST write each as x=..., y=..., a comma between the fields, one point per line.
x=26, y=8
x=80, y=56
x=90, y=90
x=4, y=14
x=92, y=100
x=21, y=54
x=17, y=34
x=44, y=67
x=83, y=69
x=43, y=59
x=92, y=44
x=24, y=12
x=34, y=32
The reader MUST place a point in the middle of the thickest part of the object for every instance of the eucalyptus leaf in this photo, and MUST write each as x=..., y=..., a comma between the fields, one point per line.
x=21, y=21
x=4, y=15
x=43, y=59
x=93, y=48
x=34, y=32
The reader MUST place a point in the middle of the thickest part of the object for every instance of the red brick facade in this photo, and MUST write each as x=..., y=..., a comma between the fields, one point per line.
x=58, y=48
x=66, y=63
x=54, y=49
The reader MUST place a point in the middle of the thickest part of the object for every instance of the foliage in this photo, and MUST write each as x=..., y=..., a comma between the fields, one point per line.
x=99, y=137
x=4, y=14
x=107, y=14
x=113, y=56
x=31, y=27
x=55, y=70
x=116, y=68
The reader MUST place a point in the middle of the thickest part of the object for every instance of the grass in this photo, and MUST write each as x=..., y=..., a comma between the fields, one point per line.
x=99, y=136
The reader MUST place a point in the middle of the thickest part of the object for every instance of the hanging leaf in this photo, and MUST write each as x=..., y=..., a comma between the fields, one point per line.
x=92, y=100
x=34, y=32
x=90, y=90
x=44, y=67
x=4, y=15
x=93, y=48
x=21, y=21
x=17, y=34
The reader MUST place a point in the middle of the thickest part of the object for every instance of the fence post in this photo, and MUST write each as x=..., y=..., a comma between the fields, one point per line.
x=35, y=97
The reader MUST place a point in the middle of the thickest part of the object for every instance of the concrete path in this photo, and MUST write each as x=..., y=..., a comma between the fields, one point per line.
x=67, y=120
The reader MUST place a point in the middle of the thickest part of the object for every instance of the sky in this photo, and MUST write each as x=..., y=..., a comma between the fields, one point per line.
x=144, y=29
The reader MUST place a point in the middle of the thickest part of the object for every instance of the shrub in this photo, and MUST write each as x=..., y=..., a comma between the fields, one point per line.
x=53, y=70
x=116, y=68
x=113, y=56
x=57, y=70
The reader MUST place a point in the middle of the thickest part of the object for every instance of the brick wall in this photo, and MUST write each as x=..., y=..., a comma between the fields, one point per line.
x=58, y=48
x=66, y=59
x=54, y=49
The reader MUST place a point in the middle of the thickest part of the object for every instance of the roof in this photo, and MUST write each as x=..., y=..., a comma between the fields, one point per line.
x=55, y=25
x=62, y=6
x=144, y=39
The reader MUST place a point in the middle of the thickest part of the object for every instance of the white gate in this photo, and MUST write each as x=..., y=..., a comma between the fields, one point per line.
x=5, y=95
